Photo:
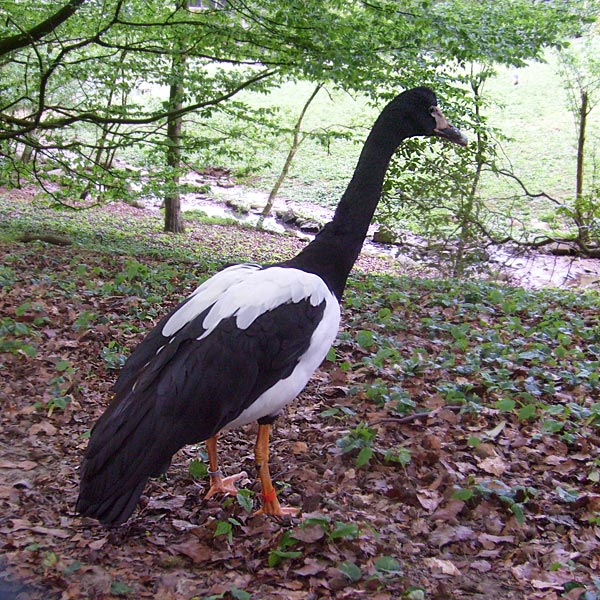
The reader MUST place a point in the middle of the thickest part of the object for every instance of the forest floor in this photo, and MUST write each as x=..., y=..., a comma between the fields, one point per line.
x=418, y=473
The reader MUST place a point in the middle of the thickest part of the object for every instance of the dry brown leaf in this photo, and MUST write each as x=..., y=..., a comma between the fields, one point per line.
x=449, y=511
x=59, y=533
x=309, y=534
x=429, y=499
x=24, y=465
x=445, y=535
x=43, y=427
x=300, y=447
x=483, y=566
x=97, y=544
x=494, y=465
x=311, y=567
x=194, y=549
x=443, y=567
x=489, y=541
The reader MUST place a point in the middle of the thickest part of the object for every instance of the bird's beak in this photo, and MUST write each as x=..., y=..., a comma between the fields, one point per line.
x=446, y=131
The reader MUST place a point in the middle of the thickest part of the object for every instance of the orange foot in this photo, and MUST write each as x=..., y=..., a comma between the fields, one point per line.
x=224, y=485
x=272, y=507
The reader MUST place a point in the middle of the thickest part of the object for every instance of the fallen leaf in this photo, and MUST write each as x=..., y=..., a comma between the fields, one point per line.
x=429, y=499
x=311, y=567
x=59, y=533
x=97, y=544
x=443, y=567
x=300, y=448
x=483, y=566
x=43, y=427
x=449, y=511
x=308, y=534
x=489, y=541
x=24, y=465
x=446, y=535
x=193, y=549
x=493, y=465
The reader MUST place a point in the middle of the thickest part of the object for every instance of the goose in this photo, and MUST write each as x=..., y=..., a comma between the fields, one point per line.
x=242, y=345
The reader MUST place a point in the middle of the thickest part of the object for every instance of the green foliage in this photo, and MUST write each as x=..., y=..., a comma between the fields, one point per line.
x=365, y=339
x=502, y=347
x=245, y=499
x=350, y=570
x=276, y=557
x=514, y=498
x=360, y=438
x=502, y=351
x=114, y=356
x=15, y=337
x=198, y=469
x=225, y=528
x=580, y=72
x=388, y=565
x=118, y=588
x=108, y=91
x=234, y=592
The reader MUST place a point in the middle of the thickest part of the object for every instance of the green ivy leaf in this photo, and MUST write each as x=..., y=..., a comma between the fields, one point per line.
x=223, y=528
x=567, y=495
x=387, y=564
x=330, y=412
x=365, y=339
x=364, y=456
x=118, y=588
x=344, y=530
x=276, y=557
x=73, y=567
x=239, y=594
x=244, y=498
x=505, y=405
x=350, y=570
x=527, y=412
x=551, y=426
x=463, y=494
x=198, y=469
x=517, y=510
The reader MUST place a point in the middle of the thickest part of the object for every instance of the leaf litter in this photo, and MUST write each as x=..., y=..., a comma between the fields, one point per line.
x=454, y=450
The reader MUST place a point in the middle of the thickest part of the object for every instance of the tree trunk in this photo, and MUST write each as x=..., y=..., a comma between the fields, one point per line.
x=288, y=161
x=173, y=216
x=583, y=110
x=580, y=217
x=468, y=206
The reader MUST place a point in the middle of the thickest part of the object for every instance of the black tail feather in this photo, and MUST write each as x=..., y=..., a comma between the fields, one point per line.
x=126, y=448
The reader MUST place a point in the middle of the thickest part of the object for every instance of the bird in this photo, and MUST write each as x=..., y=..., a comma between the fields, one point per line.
x=243, y=345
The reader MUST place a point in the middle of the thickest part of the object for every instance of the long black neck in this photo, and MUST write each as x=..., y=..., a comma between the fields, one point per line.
x=334, y=250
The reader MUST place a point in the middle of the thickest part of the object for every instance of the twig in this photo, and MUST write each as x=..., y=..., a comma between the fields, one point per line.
x=422, y=415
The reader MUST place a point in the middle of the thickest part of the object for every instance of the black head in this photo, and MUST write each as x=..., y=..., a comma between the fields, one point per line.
x=422, y=116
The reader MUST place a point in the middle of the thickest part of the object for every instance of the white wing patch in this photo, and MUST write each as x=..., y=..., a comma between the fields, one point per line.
x=207, y=294
x=248, y=291
x=285, y=390
x=262, y=291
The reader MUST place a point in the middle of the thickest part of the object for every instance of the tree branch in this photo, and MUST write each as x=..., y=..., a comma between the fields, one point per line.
x=41, y=30
x=27, y=125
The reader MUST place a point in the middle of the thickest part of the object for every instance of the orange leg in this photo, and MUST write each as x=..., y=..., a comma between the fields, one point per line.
x=271, y=505
x=218, y=483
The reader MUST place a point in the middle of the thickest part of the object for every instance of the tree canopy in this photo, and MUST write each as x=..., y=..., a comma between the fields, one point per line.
x=84, y=82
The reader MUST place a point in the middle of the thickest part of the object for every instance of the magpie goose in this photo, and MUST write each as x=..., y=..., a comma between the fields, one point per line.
x=243, y=345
